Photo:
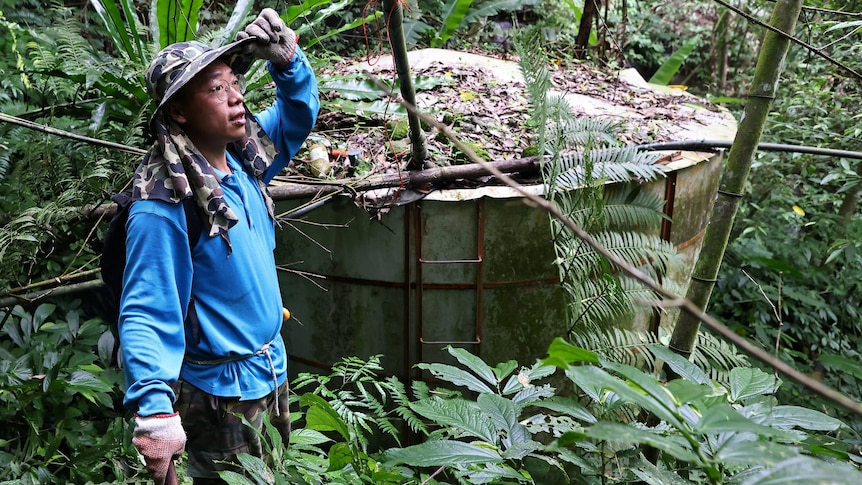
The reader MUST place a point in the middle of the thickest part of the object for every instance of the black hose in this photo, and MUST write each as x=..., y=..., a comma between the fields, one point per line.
x=715, y=145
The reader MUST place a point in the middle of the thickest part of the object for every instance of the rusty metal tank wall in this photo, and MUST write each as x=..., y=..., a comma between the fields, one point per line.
x=477, y=273
x=463, y=269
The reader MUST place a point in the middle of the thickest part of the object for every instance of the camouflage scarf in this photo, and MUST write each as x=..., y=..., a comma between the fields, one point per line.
x=174, y=169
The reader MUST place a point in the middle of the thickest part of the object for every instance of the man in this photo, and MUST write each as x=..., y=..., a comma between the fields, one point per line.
x=200, y=325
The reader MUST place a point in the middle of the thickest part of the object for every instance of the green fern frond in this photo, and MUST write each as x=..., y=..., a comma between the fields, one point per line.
x=583, y=131
x=629, y=207
x=352, y=369
x=616, y=344
x=584, y=159
x=533, y=64
x=717, y=357
x=371, y=401
x=608, y=164
x=713, y=355
x=600, y=301
x=420, y=390
x=416, y=424
x=646, y=251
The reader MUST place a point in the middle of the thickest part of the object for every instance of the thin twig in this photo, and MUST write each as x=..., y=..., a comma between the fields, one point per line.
x=436, y=472
x=67, y=134
x=57, y=280
x=58, y=291
x=776, y=310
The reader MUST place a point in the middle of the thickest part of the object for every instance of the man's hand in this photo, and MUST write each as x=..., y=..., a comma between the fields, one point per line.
x=276, y=41
x=160, y=439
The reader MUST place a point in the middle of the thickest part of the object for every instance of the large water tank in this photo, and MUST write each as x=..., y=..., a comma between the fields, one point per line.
x=469, y=267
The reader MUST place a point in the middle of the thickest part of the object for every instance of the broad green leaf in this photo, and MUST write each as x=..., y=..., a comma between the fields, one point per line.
x=750, y=452
x=234, y=478
x=81, y=380
x=177, y=20
x=532, y=394
x=504, y=414
x=456, y=376
x=339, y=456
x=496, y=473
x=42, y=313
x=520, y=450
x=570, y=438
x=679, y=364
x=562, y=353
x=504, y=369
x=457, y=413
x=105, y=346
x=475, y=364
x=307, y=437
x=140, y=44
x=379, y=107
x=439, y=453
x=427, y=83
x=354, y=89
x=620, y=433
x=653, y=475
x=805, y=470
x=788, y=417
x=567, y=406
x=723, y=418
x=524, y=378
x=587, y=377
x=688, y=392
x=842, y=364
x=109, y=13
x=453, y=14
x=303, y=9
x=670, y=67
x=321, y=416
x=238, y=16
x=746, y=382
x=256, y=467
x=647, y=383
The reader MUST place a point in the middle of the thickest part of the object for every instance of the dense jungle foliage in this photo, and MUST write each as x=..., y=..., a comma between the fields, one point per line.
x=597, y=408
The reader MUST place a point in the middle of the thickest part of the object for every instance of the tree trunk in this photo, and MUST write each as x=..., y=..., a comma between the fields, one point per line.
x=722, y=36
x=582, y=41
x=761, y=94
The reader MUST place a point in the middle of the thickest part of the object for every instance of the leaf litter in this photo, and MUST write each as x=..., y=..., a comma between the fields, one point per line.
x=484, y=101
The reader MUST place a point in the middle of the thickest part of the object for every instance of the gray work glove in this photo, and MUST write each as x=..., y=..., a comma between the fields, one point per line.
x=160, y=439
x=276, y=41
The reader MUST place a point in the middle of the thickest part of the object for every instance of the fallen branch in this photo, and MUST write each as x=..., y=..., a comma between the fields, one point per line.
x=286, y=188
x=8, y=301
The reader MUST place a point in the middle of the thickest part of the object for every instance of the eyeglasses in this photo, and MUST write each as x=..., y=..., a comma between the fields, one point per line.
x=222, y=88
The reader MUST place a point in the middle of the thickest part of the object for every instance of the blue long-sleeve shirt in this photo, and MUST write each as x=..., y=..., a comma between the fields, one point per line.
x=237, y=296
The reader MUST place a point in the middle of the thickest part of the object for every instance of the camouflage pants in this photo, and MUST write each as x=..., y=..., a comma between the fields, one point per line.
x=215, y=431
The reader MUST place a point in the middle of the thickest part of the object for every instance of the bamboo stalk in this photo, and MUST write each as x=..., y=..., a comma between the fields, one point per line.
x=761, y=95
x=395, y=28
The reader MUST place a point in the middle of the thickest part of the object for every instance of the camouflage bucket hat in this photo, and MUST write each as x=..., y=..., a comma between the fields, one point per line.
x=176, y=65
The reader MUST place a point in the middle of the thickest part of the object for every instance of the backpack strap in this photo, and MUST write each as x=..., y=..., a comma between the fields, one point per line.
x=194, y=224
x=193, y=221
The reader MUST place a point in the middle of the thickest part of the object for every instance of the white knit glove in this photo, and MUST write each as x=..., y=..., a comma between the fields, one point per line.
x=160, y=439
x=276, y=41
